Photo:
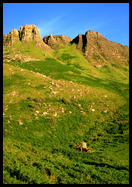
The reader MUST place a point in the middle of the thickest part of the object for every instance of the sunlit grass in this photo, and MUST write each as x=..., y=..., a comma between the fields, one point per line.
x=51, y=105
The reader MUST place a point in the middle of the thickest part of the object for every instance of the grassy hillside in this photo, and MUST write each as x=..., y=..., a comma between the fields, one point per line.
x=54, y=103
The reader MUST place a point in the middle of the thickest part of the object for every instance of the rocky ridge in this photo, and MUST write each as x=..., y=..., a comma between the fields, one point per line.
x=55, y=41
x=99, y=50
x=27, y=33
x=96, y=48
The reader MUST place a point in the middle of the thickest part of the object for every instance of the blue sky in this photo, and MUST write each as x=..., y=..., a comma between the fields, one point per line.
x=70, y=19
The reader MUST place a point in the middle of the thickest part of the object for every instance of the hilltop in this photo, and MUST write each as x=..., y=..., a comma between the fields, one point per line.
x=27, y=33
x=55, y=41
x=58, y=92
x=97, y=49
x=100, y=51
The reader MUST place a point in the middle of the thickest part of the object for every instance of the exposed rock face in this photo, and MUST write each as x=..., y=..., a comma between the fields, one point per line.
x=31, y=33
x=50, y=40
x=4, y=38
x=96, y=48
x=100, y=50
x=27, y=33
x=11, y=37
x=55, y=41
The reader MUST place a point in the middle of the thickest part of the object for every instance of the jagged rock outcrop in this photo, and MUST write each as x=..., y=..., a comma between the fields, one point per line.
x=27, y=33
x=11, y=37
x=96, y=48
x=99, y=50
x=31, y=33
x=56, y=41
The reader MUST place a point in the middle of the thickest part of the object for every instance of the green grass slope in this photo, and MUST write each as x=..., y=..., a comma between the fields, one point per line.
x=52, y=104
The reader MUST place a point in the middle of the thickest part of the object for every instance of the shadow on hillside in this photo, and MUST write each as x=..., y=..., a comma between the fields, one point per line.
x=56, y=70
x=106, y=165
x=114, y=86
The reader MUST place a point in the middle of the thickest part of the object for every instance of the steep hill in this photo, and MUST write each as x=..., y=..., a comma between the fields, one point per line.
x=55, y=98
x=97, y=49
x=100, y=51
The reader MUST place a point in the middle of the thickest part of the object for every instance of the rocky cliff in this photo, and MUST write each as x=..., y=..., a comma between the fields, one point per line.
x=11, y=37
x=56, y=41
x=27, y=33
x=99, y=50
